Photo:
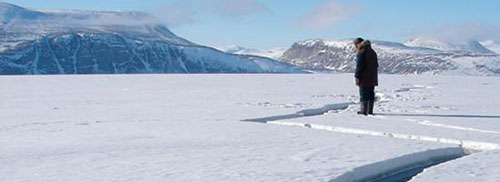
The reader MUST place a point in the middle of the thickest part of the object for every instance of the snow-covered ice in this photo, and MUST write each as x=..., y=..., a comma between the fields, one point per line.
x=190, y=127
x=478, y=167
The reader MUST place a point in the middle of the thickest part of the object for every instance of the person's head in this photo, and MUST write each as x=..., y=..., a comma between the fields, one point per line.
x=357, y=43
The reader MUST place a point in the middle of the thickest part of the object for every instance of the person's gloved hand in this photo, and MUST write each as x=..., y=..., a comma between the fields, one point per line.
x=356, y=81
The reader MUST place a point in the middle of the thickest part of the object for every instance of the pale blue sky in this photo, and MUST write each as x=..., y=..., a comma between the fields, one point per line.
x=278, y=23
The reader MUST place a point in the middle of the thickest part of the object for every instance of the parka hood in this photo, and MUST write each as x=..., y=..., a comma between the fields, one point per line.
x=366, y=43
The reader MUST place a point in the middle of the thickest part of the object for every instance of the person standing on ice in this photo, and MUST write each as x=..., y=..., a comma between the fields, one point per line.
x=366, y=74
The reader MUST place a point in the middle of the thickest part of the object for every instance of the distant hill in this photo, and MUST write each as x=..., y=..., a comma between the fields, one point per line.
x=109, y=42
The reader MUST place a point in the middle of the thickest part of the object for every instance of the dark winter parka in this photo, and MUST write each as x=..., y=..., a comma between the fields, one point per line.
x=367, y=66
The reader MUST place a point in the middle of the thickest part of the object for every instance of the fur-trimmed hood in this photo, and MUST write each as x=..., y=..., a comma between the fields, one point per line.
x=366, y=43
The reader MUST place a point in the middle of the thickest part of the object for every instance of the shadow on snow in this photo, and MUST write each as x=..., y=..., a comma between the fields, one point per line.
x=441, y=115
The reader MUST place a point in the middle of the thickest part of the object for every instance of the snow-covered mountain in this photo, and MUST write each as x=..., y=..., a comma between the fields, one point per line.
x=274, y=53
x=492, y=45
x=466, y=46
x=321, y=55
x=108, y=42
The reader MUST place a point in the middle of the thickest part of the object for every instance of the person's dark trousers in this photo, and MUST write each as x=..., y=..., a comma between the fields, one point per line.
x=367, y=98
x=363, y=109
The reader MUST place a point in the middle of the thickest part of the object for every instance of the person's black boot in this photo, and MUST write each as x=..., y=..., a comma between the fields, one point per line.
x=371, y=105
x=363, y=108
